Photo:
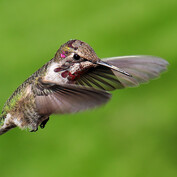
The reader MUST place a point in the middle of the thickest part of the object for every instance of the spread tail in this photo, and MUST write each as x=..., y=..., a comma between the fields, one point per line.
x=4, y=129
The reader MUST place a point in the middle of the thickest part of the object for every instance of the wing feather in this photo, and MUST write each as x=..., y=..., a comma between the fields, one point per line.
x=140, y=68
x=60, y=99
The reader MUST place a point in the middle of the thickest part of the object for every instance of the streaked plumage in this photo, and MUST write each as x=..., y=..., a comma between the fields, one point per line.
x=74, y=80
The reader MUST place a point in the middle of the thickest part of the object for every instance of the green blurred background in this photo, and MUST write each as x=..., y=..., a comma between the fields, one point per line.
x=135, y=134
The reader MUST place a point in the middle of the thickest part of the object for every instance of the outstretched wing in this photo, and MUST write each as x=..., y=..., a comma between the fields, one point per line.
x=53, y=98
x=140, y=69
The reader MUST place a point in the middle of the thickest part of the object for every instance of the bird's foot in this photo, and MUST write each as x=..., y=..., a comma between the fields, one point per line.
x=43, y=124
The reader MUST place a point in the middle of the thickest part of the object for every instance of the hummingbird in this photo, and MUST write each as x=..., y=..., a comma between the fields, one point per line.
x=75, y=79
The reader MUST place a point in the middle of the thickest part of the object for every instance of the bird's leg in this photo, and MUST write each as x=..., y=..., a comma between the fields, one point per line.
x=42, y=125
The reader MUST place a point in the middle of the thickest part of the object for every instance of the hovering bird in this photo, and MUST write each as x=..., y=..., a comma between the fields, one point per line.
x=74, y=80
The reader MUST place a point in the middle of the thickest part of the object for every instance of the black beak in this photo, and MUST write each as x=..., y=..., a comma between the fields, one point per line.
x=100, y=62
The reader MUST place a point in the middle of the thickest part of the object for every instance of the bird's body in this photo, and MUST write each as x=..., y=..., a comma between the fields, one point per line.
x=20, y=107
x=75, y=79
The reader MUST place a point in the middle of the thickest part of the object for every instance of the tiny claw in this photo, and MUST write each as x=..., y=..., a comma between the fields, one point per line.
x=43, y=124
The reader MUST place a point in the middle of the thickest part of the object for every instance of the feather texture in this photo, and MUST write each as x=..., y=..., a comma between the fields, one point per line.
x=140, y=69
x=53, y=98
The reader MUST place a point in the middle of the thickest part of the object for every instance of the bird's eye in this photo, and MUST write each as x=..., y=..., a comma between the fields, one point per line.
x=76, y=56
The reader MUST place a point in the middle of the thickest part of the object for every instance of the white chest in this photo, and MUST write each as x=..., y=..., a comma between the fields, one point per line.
x=54, y=76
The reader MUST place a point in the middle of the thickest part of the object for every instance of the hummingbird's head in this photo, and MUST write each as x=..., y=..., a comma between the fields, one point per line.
x=76, y=51
x=75, y=58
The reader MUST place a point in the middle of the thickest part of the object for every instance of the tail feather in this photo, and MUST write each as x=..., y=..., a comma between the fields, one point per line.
x=5, y=129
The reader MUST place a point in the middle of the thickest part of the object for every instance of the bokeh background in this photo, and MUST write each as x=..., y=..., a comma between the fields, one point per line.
x=135, y=134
